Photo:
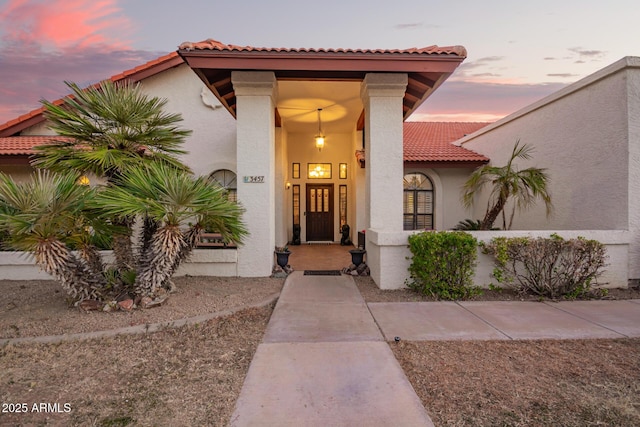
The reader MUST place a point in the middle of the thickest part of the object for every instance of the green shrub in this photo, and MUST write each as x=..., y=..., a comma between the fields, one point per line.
x=442, y=264
x=549, y=267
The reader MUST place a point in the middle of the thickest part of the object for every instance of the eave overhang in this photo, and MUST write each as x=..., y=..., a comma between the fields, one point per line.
x=426, y=68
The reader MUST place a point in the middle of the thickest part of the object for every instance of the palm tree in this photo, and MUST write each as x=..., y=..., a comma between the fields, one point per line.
x=508, y=182
x=118, y=133
x=106, y=130
x=46, y=217
x=179, y=207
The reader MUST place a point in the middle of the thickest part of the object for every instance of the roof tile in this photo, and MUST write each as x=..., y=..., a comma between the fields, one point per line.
x=432, y=142
x=23, y=145
x=211, y=44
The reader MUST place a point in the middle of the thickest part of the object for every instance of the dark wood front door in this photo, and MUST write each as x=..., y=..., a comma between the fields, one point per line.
x=319, y=212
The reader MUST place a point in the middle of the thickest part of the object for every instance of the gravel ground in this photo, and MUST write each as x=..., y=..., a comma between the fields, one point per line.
x=192, y=375
x=38, y=308
x=187, y=376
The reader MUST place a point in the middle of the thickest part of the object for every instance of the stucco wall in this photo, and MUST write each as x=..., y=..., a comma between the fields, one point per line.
x=359, y=177
x=283, y=216
x=580, y=135
x=212, y=145
x=203, y=262
x=588, y=137
x=20, y=173
x=633, y=114
x=396, y=249
x=39, y=129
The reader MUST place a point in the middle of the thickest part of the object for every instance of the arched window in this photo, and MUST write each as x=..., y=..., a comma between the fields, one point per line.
x=227, y=180
x=418, y=202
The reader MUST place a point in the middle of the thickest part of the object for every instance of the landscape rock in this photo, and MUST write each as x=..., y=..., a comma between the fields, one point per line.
x=280, y=272
x=90, y=305
x=126, y=305
x=360, y=270
x=150, y=303
x=145, y=301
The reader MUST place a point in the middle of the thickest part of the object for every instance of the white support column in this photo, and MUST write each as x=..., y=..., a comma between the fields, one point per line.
x=382, y=96
x=255, y=93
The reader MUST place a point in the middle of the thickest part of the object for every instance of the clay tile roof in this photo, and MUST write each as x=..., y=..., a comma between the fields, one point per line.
x=136, y=74
x=432, y=142
x=23, y=145
x=211, y=44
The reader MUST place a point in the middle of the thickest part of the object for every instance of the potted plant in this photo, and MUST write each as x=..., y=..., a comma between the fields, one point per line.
x=282, y=256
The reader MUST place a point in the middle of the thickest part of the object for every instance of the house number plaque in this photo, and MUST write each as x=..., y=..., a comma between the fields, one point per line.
x=257, y=179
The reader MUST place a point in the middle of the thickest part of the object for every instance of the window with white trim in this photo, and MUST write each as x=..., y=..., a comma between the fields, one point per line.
x=227, y=180
x=418, y=202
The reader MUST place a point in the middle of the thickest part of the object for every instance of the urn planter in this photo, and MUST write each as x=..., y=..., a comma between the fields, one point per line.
x=357, y=256
x=282, y=258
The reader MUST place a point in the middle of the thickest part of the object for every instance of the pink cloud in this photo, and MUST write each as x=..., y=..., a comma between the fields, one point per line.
x=45, y=42
x=64, y=24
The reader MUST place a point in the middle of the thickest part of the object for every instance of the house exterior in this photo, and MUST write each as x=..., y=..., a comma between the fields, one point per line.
x=254, y=113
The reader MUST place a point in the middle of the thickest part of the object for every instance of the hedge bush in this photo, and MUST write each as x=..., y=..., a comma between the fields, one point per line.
x=549, y=267
x=442, y=264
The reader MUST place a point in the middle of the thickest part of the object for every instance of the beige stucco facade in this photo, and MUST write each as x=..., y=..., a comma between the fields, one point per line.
x=587, y=135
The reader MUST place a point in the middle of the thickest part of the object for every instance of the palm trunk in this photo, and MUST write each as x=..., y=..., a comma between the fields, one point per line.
x=91, y=257
x=149, y=228
x=191, y=239
x=493, y=213
x=157, y=263
x=74, y=276
x=122, y=248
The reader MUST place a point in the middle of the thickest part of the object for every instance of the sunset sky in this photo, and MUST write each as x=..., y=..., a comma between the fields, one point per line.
x=518, y=52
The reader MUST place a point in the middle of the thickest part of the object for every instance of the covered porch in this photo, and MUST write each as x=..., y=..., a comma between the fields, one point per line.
x=295, y=190
x=328, y=256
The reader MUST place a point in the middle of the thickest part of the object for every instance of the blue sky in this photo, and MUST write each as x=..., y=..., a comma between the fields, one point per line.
x=518, y=52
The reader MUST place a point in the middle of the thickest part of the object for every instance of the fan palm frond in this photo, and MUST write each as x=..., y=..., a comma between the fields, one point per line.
x=525, y=187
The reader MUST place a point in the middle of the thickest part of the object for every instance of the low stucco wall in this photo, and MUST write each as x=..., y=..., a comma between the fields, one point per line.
x=203, y=262
x=392, y=257
x=615, y=241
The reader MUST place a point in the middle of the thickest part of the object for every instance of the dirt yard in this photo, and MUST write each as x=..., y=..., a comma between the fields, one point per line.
x=521, y=383
x=188, y=376
x=193, y=375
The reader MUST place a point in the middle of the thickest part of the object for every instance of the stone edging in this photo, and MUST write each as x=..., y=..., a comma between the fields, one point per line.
x=138, y=329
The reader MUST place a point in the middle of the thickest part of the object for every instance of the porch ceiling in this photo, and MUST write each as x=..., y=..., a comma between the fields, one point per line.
x=321, y=78
x=298, y=102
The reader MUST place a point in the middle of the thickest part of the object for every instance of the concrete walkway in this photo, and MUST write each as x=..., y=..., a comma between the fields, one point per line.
x=324, y=360
x=508, y=320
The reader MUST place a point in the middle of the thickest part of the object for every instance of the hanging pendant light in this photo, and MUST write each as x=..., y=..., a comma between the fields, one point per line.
x=319, y=138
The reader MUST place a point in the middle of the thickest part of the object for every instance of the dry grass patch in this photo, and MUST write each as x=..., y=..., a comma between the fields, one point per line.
x=189, y=376
x=526, y=383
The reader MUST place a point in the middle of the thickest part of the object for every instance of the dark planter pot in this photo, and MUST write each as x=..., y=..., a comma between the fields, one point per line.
x=282, y=258
x=357, y=256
